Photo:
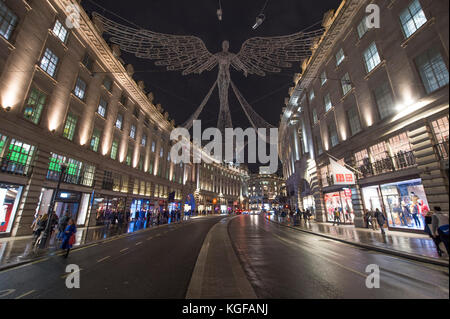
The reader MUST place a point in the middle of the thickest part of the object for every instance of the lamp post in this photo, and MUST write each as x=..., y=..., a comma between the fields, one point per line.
x=47, y=231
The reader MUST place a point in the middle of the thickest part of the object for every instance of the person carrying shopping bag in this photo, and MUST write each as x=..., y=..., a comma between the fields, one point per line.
x=69, y=237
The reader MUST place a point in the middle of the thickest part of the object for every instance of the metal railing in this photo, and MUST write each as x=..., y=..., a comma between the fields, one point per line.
x=14, y=167
x=400, y=161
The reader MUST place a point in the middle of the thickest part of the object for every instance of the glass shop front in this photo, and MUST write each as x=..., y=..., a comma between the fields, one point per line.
x=342, y=201
x=404, y=203
x=9, y=201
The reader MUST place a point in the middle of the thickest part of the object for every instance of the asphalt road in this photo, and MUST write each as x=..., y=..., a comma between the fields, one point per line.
x=286, y=263
x=157, y=263
x=279, y=263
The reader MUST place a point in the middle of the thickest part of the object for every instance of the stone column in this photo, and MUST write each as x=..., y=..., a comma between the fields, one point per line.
x=433, y=178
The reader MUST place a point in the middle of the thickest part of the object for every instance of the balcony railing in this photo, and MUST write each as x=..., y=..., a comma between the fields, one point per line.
x=442, y=149
x=13, y=167
x=389, y=164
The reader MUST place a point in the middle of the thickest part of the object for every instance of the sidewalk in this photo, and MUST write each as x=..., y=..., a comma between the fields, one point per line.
x=408, y=245
x=19, y=250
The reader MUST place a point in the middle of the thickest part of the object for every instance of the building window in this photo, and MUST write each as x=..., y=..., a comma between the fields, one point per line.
x=123, y=99
x=129, y=156
x=379, y=151
x=400, y=144
x=114, y=149
x=95, y=140
x=161, y=152
x=311, y=95
x=440, y=129
x=362, y=27
x=147, y=121
x=353, y=120
x=371, y=57
x=107, y=83
x=133, y=131
x=49, y=62
x=19, y=157
x=88, y=175
x=412, y=18
x=340, y=57
x=69, y=127
x=333, y=134
x=327, y=101
x=34, y=106
x=323, y=78
x=2, y=143
x=60, y=31
x=314, y=114
x=88, y=62
x=8, y=21
x=144, y=140
x=153, y=146
x=80, y=89
x=136, y=111
x=432, y=69
x=384, y=100
x=346, y=84
x=102, y=107
x=119, y=121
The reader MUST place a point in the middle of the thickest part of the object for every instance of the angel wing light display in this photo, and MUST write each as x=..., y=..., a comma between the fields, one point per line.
x=259, y=55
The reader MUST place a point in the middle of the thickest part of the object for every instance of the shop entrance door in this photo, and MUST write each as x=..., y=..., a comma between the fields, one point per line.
x=61, y=208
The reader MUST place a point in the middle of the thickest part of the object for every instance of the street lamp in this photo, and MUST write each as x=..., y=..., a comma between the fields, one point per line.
x=47, y=230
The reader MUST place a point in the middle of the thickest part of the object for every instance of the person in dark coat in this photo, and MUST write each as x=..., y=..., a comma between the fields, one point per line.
x=69, y=231
x=380, y=219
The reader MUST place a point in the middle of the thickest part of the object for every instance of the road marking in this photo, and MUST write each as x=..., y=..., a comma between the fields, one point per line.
x=137, y=244
x=100, y=260
x=70, y=273
x=150, y=238
x=25, y=294
x=78, y=249
x=123, y=250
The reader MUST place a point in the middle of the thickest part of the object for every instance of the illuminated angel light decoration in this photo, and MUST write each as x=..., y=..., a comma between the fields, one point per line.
x=258, y=55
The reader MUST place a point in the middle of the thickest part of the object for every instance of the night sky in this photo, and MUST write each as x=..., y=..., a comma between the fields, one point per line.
x=181, y=95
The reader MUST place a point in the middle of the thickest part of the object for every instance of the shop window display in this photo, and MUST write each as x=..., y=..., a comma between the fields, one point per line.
x=9, y=200
x=405, y=204
x=341, y=200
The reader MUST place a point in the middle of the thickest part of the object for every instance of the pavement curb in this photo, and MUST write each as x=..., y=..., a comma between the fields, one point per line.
x=32, y=260
x=393, y=252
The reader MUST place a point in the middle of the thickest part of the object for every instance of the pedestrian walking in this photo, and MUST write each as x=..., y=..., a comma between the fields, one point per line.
x=62, y=224
x=379, y=216
x=436, y=226
x=69, y=237
x=337, y=217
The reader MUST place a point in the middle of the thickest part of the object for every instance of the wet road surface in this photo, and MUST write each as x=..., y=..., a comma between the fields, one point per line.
x=157, y=263
x=286, y=263
x=279, y=263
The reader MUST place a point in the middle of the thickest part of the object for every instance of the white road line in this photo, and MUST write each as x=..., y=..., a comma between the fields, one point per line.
x=138, y=243
x=123, y=250
x=150, y=238
x=99, y=261
x=25, y=294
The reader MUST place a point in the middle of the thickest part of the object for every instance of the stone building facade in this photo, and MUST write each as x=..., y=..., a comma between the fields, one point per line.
x=376, y=101
x=67, y=97
x=265, y=191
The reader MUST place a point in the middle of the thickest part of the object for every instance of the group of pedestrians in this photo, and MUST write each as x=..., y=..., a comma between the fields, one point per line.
x=375, y=219
x=65, y=226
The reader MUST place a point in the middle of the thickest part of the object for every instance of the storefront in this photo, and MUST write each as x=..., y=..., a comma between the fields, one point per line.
x=342, y=201
x=105, y=206
x=140, y=207
x=404, y=203
x=309, y=204
x=72, y=202
x=9, y=201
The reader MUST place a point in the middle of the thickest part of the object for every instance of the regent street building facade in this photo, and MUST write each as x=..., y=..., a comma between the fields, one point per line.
x=66, y=96
x=376, y=101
